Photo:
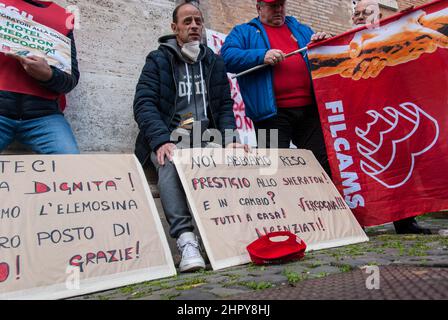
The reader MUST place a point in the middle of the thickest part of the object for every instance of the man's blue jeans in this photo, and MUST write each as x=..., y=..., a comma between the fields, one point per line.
x=46, y=135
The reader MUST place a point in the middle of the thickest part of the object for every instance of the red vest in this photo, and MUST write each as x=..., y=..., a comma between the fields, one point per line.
x=12, y=76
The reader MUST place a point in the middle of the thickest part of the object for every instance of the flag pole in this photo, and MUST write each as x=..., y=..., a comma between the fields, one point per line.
x=261, y=66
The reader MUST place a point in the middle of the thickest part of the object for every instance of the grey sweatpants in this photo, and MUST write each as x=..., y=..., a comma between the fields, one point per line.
x=174, y=201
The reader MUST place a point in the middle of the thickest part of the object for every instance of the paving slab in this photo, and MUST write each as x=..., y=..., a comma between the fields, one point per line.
x=385, y=249
x=395, y=283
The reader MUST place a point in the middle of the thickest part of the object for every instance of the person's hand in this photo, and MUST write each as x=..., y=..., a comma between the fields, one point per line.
x=36, y=67
x=371, y=51
x=409, y=43
x=333, y=60
x=319, y=36
x=274, y=56
x=436, y=21
x=366, y=68
x=374, y=51
x=236, y=145
x=167, y=150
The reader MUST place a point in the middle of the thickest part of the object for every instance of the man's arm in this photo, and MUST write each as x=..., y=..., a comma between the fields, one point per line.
x=237, y=56
x=60, y=81
x=48, y=76
x=146, y=102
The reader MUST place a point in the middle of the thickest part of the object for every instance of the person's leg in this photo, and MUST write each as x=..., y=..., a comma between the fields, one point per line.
x=48, y=135
x=7, y=132
x=173, y=198
x=174, y=203
x=279, y=122
x=409, y=226
x=308, y=134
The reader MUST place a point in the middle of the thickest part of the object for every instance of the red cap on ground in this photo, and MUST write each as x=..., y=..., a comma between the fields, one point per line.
x=266, y=251
x=267, y=1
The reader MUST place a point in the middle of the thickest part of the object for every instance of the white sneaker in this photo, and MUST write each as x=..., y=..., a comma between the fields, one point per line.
x=188, y=246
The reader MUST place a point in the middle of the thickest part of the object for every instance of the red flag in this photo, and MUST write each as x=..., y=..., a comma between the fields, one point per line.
x=383, y=101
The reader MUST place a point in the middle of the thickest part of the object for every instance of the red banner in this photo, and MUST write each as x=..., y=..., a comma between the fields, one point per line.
x=382, y=94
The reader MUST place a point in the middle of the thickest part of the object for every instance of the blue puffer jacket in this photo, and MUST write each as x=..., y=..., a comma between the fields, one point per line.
x=244, y=48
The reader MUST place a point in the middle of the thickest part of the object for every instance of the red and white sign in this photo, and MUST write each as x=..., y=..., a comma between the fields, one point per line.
x=383, y=99
x=75, y=224
x=245, y=126
x=237, y=197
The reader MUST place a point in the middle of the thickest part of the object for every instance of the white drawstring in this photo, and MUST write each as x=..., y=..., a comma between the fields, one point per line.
x=202, y=84
x=203, y=88
x=188, y=83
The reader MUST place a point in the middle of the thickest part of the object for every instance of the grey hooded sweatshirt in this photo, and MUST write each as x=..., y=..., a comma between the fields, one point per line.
x=191, y=97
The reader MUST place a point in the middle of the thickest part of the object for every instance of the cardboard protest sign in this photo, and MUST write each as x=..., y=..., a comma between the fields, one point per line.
x=237, y=197
x=22, y=36
x=245, y=126
x=70, y=225
x=382, y=95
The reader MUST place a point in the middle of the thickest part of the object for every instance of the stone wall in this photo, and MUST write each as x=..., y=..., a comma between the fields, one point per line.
x=113, y=40
x=116, y=35
x=404, y=4
x=390, y=7
x=333, y=16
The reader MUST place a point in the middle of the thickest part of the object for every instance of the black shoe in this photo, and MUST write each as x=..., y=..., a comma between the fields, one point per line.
x=409, y=226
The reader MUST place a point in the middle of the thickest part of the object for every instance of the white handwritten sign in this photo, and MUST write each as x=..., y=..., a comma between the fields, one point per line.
x=237, y=197
x=24, y=37
x=70, y=225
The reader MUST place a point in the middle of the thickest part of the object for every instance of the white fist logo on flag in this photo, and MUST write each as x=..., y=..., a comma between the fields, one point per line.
x=393, y=140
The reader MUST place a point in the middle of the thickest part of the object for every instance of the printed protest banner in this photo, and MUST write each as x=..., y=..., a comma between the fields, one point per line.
x=71, y=225
x=245, y=126
x=382, y=95
x=236, y=198
x=22, y=36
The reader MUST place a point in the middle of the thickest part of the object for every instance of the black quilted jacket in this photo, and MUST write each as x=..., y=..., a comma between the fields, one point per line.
x=155, y=99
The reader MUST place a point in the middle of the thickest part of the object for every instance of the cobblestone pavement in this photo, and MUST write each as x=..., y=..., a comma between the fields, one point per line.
x=385, y=248
x=393, y=283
